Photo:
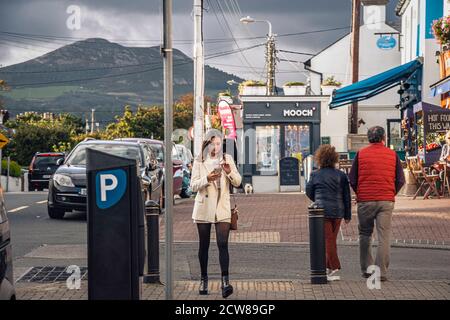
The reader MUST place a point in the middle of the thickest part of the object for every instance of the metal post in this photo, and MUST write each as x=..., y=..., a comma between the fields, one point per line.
x=8, y=163
x=271, y=62
x=355, y=62
x=317, y=244
x=152, y=221
x=199, y=77
x=92, y=120
x=168, y=124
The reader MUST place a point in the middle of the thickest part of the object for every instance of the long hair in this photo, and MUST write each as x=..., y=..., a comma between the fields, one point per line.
x=210, y=135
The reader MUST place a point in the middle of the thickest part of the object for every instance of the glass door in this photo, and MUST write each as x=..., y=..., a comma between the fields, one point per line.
x=297, y=141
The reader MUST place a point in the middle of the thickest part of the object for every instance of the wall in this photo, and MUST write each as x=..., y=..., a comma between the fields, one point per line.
x=15, y=184
x=372, y=61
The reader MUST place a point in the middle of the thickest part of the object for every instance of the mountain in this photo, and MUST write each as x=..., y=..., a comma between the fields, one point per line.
x=96, y=73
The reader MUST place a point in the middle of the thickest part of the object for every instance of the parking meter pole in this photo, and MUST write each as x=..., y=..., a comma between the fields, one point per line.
x=317, y=244
x=152, y=212
x=115, y=214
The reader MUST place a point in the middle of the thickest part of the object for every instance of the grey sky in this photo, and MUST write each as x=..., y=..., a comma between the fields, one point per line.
x=130, y=22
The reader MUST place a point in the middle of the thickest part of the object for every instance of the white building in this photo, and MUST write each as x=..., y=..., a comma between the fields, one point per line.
x=379, y=51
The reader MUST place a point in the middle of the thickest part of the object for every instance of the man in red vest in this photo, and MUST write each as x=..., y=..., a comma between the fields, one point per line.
x=376, y=176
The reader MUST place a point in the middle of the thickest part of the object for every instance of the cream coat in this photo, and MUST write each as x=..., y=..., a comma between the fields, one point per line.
x=206, y=207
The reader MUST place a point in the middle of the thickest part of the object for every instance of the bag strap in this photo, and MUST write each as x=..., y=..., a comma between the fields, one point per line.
x=231, y=186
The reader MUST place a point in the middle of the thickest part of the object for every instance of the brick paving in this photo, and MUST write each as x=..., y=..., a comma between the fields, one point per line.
x=284, y=218
x=262, y=290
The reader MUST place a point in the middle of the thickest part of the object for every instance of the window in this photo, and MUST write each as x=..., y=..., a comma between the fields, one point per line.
x=267, y=148
x=297, y=141
x=394, y=135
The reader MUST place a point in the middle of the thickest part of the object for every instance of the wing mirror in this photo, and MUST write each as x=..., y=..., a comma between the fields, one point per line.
x=60, y=161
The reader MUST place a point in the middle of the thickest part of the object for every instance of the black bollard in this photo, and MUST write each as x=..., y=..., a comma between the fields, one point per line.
x=317, y=244
x=152, y=212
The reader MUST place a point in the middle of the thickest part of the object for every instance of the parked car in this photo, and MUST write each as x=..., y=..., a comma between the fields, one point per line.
x=7, y=291
x=185, y=155
x=42, y=167
x=67, y=188
x=158, y=148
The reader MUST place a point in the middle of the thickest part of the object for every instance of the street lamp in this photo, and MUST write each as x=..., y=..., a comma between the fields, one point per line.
x=248, y=19
x=270, y=53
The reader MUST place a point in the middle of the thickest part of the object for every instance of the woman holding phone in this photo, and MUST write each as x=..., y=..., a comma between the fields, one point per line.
x=212, y=173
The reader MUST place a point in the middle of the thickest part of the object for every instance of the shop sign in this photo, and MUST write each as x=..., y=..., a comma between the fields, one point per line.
x=437, y=121
x=298, y=113
x=386, y=43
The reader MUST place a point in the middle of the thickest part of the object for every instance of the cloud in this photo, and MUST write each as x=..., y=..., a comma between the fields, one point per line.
x=130, y=22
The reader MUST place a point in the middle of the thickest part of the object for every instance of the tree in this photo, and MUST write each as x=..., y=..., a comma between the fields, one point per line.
x=35, y=132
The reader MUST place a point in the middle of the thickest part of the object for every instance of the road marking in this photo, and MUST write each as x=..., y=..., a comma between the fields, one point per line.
x=40, y=202
x=18, y=209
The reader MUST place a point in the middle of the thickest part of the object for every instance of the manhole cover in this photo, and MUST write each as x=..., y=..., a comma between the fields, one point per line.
x=50, y=274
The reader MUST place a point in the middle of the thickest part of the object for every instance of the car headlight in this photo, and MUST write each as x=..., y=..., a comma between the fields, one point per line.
x=63, y=180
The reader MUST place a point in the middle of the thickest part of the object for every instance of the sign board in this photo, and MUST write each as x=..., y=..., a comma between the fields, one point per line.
x=281, y=111
x=3, y=140
x=325, y=140
x=437, y=121
x=227, y=119
x=386, y=42
x=289, y=172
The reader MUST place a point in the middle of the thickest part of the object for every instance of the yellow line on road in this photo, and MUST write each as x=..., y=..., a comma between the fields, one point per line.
x=18, y=209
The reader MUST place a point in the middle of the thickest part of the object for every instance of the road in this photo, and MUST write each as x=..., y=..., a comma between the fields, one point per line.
x=40, y=241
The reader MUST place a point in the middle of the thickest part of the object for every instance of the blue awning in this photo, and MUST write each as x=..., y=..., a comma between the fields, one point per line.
x=441, y=87
x=374, y=85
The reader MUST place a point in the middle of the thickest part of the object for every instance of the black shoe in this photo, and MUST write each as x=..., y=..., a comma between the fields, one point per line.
x=203, y=286
x=227, y=288
x=383, y=279
x=366, y=275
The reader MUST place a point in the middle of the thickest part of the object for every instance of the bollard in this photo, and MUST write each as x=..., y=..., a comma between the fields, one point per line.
x=317, y=244
x=152, y=212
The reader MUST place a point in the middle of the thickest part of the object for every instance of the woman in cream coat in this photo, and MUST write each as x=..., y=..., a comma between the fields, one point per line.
x=212, y=174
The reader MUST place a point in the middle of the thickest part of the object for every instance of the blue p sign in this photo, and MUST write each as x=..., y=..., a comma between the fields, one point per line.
x=110, y=186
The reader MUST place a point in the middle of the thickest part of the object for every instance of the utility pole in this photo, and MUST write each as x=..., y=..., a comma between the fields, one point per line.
x=92, y=120
x=271, y=63
x=167, y=53
x=356, y=13
x=199, y=77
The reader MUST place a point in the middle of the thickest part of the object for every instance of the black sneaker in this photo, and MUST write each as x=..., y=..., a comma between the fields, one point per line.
x=366, y=275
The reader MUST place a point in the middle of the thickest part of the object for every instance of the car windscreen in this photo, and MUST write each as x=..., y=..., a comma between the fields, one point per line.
x=78, y=156
x=159, y=151
x=46, y=161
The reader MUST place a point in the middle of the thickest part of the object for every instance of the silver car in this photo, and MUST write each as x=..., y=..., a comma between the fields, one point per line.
x=7, y=291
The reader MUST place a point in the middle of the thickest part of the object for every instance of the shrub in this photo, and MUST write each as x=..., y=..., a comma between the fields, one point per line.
x=14, y=168
x=330, y=81
x=294, y=83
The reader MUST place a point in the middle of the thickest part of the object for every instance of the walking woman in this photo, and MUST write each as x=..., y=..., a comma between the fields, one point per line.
x=329, y=187
x=212, y=173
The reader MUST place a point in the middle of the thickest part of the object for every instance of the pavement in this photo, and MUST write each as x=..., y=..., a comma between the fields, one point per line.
x=269, y=253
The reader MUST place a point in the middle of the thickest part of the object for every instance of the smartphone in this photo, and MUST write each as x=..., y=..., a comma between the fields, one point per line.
x=217, y=170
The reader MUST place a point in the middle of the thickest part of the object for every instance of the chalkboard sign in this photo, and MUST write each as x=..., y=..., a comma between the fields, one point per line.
x=289, y=172
x=325, y=140
x=437, y=121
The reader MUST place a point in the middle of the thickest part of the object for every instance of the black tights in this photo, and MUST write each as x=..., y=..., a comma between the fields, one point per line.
x=222, y=233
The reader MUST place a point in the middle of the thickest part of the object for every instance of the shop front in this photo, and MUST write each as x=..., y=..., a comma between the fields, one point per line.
x=274, y=130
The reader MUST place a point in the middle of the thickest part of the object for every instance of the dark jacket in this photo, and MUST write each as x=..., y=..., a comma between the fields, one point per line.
x=330, y=188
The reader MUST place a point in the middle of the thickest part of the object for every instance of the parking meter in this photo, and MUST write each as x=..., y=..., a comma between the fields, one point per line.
x=115, y=214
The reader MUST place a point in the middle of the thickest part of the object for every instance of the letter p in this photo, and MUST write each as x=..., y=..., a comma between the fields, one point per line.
x=107, y=187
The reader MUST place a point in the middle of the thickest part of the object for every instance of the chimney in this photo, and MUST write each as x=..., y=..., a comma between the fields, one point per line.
x=374, y=11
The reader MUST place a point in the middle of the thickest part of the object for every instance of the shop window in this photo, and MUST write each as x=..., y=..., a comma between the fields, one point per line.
x=394, y=135
x=267, y=148
x=297, y=141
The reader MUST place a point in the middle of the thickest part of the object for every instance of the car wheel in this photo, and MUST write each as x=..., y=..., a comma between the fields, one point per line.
x=55, y=213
